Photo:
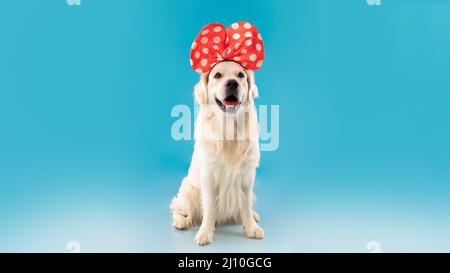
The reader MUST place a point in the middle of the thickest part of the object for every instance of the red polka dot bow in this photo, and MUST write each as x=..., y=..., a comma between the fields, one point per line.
x=241, y=43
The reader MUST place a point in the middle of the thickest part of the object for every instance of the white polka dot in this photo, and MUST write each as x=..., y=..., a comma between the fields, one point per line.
x=204, y=62
x=199, y=70
x=248, y=34
x=244, y=51
x=219, y=57
x=248, y=42
x=244, y=64
x=259, y=36
x=197, y=55
x=216, y=47
x=206, y=31
x=216, y=39
x=205, y=50
x=235, y=26
x=228, y=50
x=258, y=47
x=237, y=45
x=247, y=25
x=217, y=29
x=194, y=45
x=252, y=57
x=204, y=40
x=227, y=40
x=259, y=63
x=190, y=60
x=236, y=36
x=237, y=58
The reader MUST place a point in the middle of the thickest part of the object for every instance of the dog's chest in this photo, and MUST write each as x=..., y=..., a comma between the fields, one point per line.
x=233, y=173
x=229, y=184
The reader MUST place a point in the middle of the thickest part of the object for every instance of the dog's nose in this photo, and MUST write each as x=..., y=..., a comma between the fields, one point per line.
x=231, y=85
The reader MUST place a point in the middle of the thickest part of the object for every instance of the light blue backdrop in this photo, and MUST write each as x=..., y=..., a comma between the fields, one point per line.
x=86, y=153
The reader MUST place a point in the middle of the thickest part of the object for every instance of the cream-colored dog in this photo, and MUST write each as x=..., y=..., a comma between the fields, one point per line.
x=219, y=186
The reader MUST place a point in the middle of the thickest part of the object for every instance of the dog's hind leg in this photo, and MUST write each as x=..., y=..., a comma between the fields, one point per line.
x=256, y=216
x=185, y=207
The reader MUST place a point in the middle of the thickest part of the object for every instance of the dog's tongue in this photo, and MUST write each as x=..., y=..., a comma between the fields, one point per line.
x=230, y=103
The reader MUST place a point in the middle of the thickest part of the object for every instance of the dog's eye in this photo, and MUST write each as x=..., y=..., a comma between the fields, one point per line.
x=241, y=75
x=217, y=75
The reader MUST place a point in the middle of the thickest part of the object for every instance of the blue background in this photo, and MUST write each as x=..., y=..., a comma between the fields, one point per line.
x=86, y=152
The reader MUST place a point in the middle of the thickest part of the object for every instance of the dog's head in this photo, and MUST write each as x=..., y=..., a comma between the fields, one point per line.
x=228, y=87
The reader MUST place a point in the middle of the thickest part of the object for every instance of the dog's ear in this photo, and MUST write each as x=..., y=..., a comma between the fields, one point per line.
x=201, y=89
x=252, y=88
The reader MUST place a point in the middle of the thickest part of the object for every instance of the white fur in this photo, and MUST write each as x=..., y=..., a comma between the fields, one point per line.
x=219, y=186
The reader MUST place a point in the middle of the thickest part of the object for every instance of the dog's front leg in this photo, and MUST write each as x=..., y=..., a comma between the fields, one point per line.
x=252, y=229
x=205, y=233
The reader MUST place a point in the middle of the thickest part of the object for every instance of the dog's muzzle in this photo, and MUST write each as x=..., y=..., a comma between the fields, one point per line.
x=231, y=102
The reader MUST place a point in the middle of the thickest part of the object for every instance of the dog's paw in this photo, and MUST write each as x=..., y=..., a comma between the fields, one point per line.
x=204, y=237
x=180, y=221
x=254, y=232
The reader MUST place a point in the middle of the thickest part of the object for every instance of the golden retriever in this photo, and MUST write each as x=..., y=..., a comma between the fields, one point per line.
x=219, y=186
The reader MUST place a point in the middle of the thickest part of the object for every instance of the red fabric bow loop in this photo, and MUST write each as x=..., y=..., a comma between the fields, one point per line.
x=240, y=42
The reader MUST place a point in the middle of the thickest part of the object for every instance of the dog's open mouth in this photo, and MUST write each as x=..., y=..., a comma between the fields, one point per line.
x=230, y=104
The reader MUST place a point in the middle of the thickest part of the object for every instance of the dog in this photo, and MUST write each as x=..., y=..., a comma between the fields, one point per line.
x=218, y=188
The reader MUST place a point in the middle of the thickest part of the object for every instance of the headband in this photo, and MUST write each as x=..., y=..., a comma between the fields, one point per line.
x=241, y=43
